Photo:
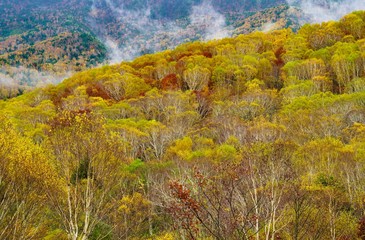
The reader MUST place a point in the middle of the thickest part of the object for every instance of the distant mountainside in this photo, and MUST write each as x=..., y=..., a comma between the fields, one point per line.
x=258, y=136
x=58, y=37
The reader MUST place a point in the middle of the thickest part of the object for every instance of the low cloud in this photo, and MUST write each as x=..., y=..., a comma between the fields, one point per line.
x=211, y=22
x=138, y=19
x=137, y=32
x=115, y=53
x=25, y=77
x=269, y=26
x=316, y=11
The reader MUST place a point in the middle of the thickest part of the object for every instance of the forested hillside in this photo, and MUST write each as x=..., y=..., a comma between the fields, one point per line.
x=53, y=39
x=260, y=136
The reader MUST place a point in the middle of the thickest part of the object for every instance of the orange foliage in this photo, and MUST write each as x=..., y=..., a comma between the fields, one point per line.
x=170, y=82
x=96, y=90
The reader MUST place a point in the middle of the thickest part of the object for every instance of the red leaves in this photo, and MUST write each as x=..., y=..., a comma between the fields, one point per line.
x=278, y=54
x=200, y=179
x=97, y=90
x=207, y=54
x=170, y=82
x=182, y=194
x=361, y=228
x=184, y=209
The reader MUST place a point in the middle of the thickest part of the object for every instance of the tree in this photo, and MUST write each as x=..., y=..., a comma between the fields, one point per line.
x=305, y=69
x=122, y=86
x=236, y=198
x=353, y=25
x=25, y=176
x=196, y=78
x=88, y=166
x=346, y=63
x=295, y=48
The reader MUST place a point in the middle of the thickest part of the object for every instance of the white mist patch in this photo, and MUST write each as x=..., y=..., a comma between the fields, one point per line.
x=137, y=19
x=21, y=76
x=209, y=20
x=137, y=32
x=6, y=80
x=132, y=21
x=269, y=26
x=316, y=11
x=115, y=54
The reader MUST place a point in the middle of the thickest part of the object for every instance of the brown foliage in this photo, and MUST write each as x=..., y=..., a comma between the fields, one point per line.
x=170, y=82
x=97, y=90
x=184, y=209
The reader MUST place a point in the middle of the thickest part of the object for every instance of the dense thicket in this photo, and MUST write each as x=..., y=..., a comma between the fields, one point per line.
x=261, y=136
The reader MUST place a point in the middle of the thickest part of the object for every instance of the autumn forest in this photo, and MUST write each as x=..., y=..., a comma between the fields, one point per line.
x=258, y=136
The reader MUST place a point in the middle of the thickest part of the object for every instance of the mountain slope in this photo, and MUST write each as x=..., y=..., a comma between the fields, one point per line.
x=254, y=136
x=32, y=32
